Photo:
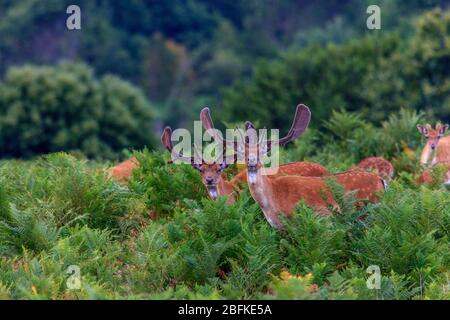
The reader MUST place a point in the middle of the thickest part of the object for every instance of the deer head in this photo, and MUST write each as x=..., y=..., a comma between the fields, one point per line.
x=250, y=148
x=255, y=150
x=211, y=172
x=433, y=135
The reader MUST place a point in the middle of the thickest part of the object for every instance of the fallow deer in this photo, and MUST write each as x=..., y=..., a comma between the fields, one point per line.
x=426, y=177
x=301, y=168
x=122, y=172
x=377, y=165
x=436, y=142
x=212, y=173
x=280, y=195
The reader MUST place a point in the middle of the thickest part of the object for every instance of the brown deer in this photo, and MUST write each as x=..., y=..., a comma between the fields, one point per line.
x=122, y=172
x=427, y=178
x=377, y=165
x=212, y=173
x=436, y=142
x=280, y=195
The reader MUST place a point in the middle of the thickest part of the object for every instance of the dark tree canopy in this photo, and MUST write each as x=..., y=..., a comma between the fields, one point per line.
x=48, y=109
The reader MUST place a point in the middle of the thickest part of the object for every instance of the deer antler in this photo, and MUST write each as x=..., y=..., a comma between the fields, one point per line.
x=167, y=143
x=299, y=125
x=208, y=124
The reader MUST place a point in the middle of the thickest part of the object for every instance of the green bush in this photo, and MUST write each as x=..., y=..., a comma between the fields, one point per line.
x=48, y=109
x=375, y=75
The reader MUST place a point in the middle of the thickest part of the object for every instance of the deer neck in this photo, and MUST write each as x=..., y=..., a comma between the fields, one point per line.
x=224, y=188
x=443, y=150
x=261, y=189
x=426, y=154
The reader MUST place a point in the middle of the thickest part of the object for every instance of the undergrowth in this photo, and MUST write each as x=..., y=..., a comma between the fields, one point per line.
x=162, y=238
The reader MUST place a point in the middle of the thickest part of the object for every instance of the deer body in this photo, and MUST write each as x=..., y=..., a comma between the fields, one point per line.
x=443, y=151
x=123, y=170
x=435, y=142
x=427, y=178
x=377, y=165
x=228, y=188
x=280, y=195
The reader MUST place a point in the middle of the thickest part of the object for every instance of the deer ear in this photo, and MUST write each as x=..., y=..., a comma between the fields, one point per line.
x=422, y=129
x=165, y=138
x=249, y=125
x=197, y=166
x=443, y=129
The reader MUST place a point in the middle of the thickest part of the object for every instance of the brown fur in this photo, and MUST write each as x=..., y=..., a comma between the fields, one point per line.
x=122, y=172
x=426, y=178
x=212, y=172
x=377, y=165
x=280, y=195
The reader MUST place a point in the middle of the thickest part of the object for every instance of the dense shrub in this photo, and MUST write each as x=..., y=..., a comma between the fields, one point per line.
x=161, y=237
x=60, y=211
x=48, y=109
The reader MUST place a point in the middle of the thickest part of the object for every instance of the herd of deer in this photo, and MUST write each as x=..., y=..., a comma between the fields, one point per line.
x=297, y=181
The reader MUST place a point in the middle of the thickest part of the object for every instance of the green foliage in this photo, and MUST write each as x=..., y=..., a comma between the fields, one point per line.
x=59, y=211
x=375, y=75
x=311, y=240
x=48, y=109
x=322, y=78
x=165, y=186
x=409, y=233
x=56, y=192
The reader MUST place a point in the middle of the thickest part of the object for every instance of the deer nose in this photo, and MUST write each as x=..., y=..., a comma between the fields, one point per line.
x=433, y=146
x=209, y=180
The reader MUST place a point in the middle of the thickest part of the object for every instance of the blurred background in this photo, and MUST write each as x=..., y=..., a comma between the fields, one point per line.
x=136, y=66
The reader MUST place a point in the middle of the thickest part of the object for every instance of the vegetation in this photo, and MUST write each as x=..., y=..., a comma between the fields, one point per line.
x=183, y=53
x=161, y=237
x=72, y=101
x=48, y=109
x=375, y=75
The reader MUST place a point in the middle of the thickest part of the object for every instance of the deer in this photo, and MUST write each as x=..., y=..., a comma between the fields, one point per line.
x=279, y=195
x=426, y=177
x=437, y=148
x=436, y=143
x=212, y=173
x=122, y=172
x=377, y=165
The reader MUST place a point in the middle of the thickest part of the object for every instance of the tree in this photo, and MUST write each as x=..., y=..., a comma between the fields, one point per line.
x=323, y=78
x=64, y=107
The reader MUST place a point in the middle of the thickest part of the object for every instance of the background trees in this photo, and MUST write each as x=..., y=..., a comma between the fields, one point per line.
x=375, y=75
x=48, y=109
x=244, y=58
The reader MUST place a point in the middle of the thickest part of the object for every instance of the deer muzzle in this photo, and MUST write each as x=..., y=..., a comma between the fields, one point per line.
x=252, y=173
x=212, y=191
